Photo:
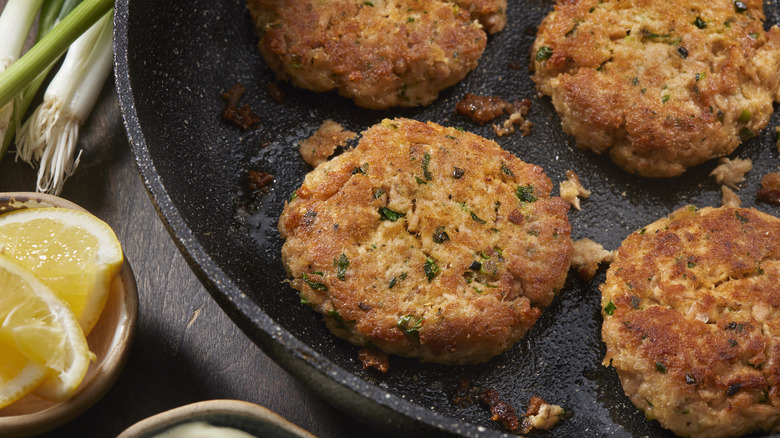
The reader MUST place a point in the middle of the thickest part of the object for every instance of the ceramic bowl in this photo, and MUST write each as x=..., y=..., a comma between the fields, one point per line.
x=110, y=340
x=247, y=417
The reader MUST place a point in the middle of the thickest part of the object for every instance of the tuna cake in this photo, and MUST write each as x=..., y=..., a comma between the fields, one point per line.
x=382, y=53
x=427, y=242
x=691, y=308
x=661, y=86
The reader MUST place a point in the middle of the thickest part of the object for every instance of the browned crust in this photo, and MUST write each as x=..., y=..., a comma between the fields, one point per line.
x=458, y=315
x=380, y=54
x=618, y=78
x=694, y=332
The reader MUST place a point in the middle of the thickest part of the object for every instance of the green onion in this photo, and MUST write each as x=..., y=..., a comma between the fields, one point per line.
x=15, y=23
x=50, y=134
x=54, y=44
x=52, y=12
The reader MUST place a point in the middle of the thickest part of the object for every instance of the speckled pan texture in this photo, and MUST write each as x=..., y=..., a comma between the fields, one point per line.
x=173, y=59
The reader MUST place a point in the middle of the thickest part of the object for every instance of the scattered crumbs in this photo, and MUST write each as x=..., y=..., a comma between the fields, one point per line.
x=243, y=118
x=316, y=149
x=541, y=415
x=572, y=189
x=484, y=109
x=259, y=181
x=587, y=256
x=373, y=358
x=623, y=194
x=769, y=191
x=730, y=172
x=465, y=394
x=500, y=411
x=276, y=92
x=729, y=198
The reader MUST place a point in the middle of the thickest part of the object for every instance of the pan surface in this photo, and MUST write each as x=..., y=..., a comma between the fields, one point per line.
x=174, y=58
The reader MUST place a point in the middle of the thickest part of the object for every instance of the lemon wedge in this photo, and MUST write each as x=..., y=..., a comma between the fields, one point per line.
x=40, y=338
x=72, y=252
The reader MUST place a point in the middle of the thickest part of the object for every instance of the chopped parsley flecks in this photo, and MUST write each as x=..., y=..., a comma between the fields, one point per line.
x=698, y=22
x=431, y=269
x=544, y=53
x=507, y=171
x=525, y=193
x=316, y=285
x=609, y=309
x=477, y=218
x=425, y=162
x=336, y=316
x=362, y=169
x=410, y=326
x=387, y=214
x=341, y=264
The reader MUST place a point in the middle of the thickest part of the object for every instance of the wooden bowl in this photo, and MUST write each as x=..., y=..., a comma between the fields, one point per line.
x=244, y=416
x=110, y=340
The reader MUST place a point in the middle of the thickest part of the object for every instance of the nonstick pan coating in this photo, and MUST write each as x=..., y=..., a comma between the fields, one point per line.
x=174, y=58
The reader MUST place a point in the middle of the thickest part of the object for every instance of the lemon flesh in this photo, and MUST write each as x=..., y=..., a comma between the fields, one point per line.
x=40, y=338
x=74, y=253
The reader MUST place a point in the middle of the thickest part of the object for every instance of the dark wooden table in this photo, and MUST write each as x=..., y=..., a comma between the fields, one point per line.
x=186, y=349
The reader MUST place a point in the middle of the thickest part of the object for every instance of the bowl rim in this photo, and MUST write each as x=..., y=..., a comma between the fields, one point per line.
x=199, y=411
x=102, y=377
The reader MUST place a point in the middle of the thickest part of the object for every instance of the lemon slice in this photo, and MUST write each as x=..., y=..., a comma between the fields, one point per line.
x=74, y=253
x=40, y=337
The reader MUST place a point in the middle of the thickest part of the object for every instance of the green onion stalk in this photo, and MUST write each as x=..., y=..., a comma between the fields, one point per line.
x=49, y=136
x=52, y=12
x=15, y=23
x=45, y=52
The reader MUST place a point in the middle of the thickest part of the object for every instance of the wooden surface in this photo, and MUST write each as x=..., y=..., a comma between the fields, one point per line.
x=186, y=349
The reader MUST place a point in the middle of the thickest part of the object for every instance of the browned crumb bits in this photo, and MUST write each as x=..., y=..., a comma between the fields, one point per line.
x=243, y=118
x=501, y=411
x=770, y=189
x=259, y=180
x=373, y=358
x=276, y=92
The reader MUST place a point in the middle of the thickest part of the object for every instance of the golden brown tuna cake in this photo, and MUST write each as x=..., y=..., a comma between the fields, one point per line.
x=427, y=242
x=662, y=86
x=381, y=53
x=691, y=308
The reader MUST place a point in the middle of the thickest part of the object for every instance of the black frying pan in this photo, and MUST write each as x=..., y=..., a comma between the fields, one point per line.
x=174, y=58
